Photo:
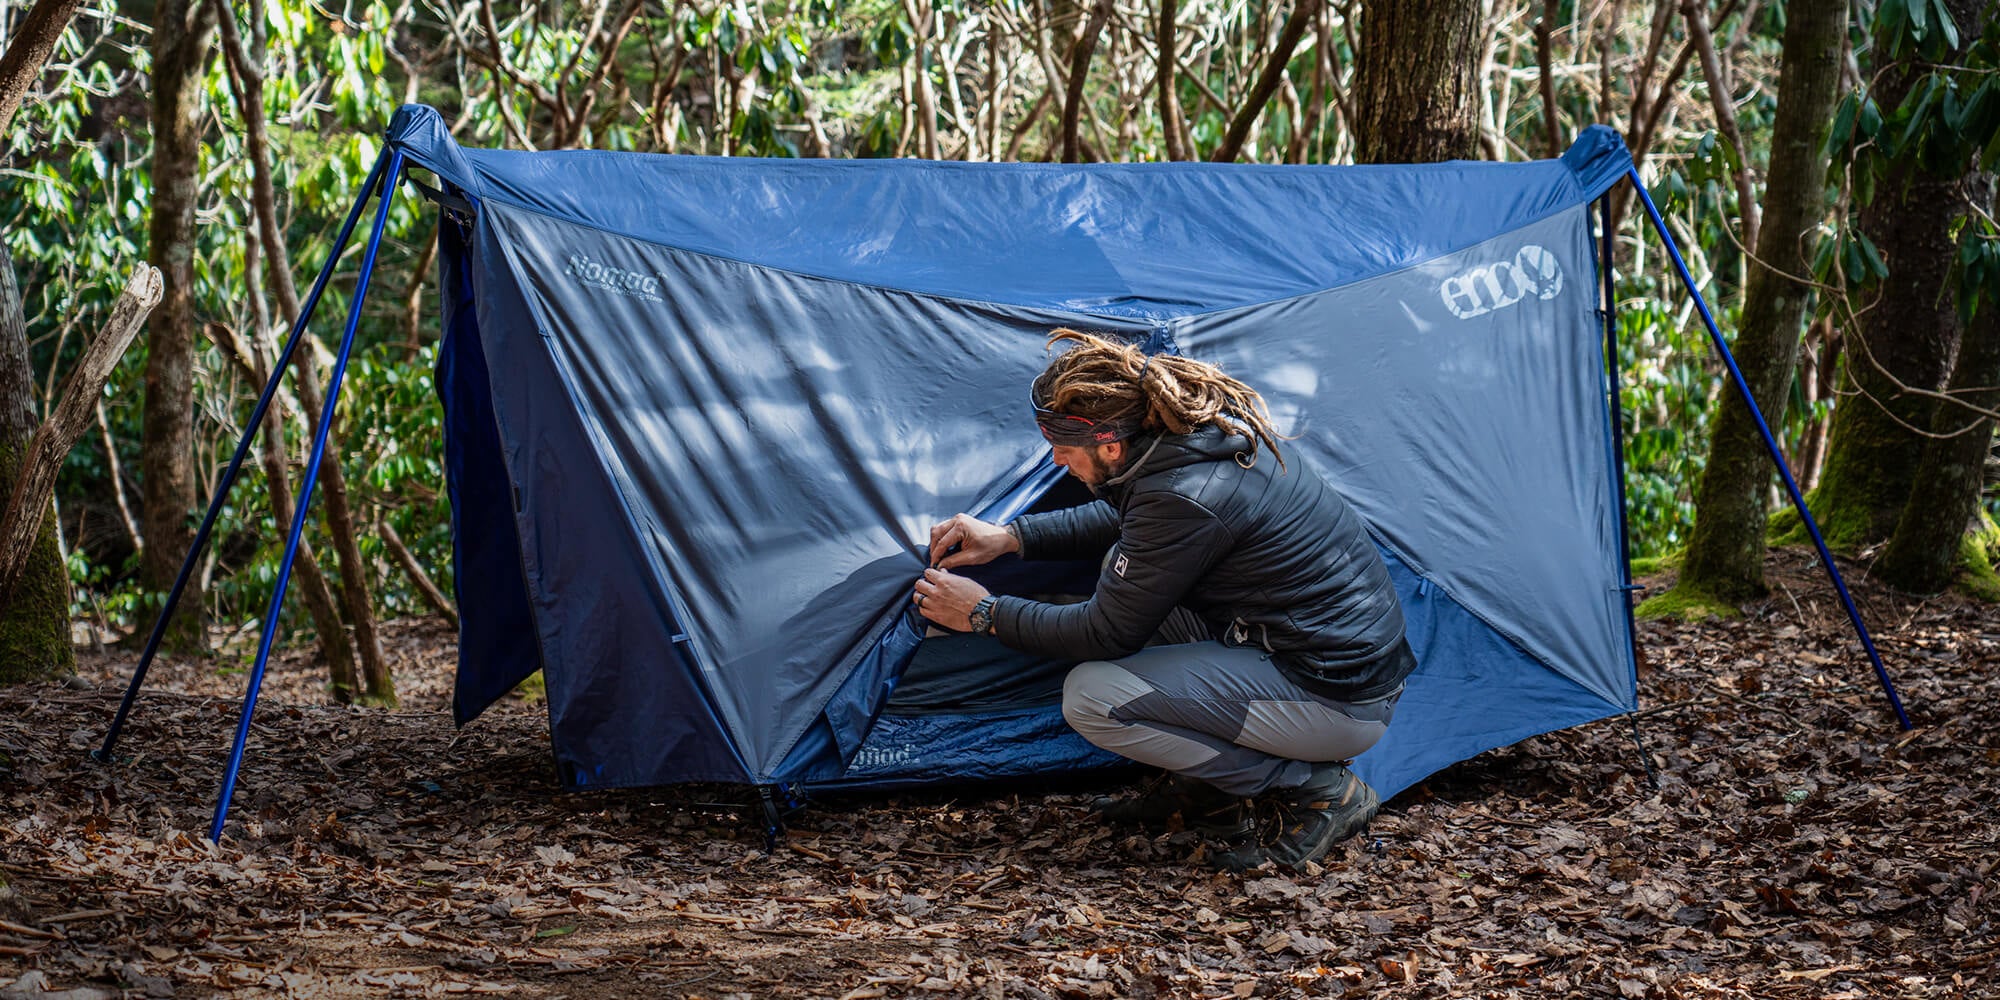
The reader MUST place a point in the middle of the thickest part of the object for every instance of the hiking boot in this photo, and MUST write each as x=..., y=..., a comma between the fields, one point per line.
x=1330, y=807
x=1173, y=803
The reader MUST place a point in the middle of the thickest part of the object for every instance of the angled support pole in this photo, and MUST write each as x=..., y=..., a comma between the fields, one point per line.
x=391, y=174
x=1771, y=445
x=250, y=429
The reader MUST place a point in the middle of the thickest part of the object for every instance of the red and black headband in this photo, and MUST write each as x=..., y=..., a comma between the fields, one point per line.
x=1070, y=430
x=1074, y=431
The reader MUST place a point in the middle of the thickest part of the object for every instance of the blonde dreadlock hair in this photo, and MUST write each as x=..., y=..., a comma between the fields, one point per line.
x=1108, y=380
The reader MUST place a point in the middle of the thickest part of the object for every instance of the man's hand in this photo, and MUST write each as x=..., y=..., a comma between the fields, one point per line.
x=947, y=598
x=978, y=542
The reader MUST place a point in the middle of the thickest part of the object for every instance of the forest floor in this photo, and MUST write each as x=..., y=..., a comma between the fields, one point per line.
x=1798, y=845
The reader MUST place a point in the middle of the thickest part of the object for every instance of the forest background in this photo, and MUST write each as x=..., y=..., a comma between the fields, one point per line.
x=1826, y=167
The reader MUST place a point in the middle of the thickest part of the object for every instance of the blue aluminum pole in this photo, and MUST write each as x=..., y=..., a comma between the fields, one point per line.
x=1771, y=445
x=390, y=177
x=256, y=422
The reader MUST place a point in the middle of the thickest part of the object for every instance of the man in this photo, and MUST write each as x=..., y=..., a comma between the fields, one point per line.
x=1290, y=652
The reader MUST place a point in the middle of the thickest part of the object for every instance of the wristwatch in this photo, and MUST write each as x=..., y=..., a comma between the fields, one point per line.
x=982, y=615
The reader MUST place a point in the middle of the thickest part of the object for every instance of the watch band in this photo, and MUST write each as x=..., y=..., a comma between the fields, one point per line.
x=981, y=618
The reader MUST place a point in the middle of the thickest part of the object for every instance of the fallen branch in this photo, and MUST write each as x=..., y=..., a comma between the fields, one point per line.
x=35, y=489
x=432, y=595
x=20, y=930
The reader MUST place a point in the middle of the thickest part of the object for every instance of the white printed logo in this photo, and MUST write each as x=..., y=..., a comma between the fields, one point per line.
x=1533, y=271
x=613, y=279
x=1120, y=564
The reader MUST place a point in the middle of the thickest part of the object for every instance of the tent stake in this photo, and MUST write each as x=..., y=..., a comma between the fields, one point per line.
x=391, y=175
x=1770, y=445
x=774, y=819
x=1645, y=755
x=250, y=429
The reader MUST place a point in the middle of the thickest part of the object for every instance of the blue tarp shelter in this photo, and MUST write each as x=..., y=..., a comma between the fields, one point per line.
x=701, y=412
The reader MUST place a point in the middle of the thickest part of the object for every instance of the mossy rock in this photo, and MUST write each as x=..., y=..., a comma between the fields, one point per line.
x=1690, y=606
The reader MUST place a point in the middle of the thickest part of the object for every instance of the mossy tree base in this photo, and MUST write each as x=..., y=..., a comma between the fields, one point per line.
x=1786, y=527
x=34, y=621
x=1649, y=565
x=1976, y=556
x=1978, y=552
x=376, y=700
x=1686, y=604
x=1845, y=529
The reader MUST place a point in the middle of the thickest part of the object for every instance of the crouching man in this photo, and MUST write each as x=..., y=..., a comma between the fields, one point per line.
x=1243, y=634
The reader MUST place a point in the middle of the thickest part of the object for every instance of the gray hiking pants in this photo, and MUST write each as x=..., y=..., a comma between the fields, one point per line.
x=1222, y=714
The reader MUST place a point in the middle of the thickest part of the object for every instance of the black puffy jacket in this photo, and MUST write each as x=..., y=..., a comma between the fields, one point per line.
x=1266, y=556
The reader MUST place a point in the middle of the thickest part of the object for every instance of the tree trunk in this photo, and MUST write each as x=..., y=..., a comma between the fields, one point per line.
x=1906, y=337
x=34, y=621
x=1722, y=98
x=320, y=601
x=34, y=38
x=1944, y=492
x=1725, y=553
x=33, y=495
x=1079, y=67
x=923, y=21
x=1416, y=80
x=166, y=457
x=1545, y=75
x=1169, y=95
x=415, y=570
x=1823, y=352
x=377, y=686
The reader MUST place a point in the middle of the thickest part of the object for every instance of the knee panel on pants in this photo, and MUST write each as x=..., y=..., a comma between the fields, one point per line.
x=1089, y=695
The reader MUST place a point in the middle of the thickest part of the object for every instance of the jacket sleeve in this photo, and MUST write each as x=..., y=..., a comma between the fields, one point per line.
x=1167, y=544
x=1081, y=532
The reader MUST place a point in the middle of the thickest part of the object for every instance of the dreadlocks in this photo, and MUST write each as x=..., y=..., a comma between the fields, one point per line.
x=1108, y=381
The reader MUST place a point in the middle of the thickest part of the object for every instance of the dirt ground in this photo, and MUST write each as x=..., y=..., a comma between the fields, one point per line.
x=1798, y=845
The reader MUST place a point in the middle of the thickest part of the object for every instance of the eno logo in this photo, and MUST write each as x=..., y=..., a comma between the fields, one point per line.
x=1533, y=271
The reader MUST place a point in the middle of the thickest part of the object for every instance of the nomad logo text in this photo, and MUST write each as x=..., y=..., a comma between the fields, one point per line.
x=615, y=279
x=1532, y=272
